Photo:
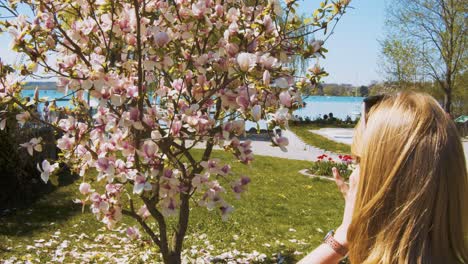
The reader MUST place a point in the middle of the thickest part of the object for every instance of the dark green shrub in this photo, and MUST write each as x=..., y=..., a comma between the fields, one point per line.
x=20, y=181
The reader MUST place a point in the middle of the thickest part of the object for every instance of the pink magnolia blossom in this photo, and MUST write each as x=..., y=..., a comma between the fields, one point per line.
x=161, y=39
x=112, y=217
x=106, y=168
x=282, y=116
x=256, y=113
x=226, y=210
x=199, y=8
x=268, y=61
x=282, y=83
x=200, y=179
x=232, y=49
x=268, y=24
x=141, y=185
x=65, y=142
x=240, y=186
x=246, y=61
x=316, y=45
x=169, y=206
x=212, y=165
x=219, y=10
x=85, y=188
x=23, y=117
x=243, y=102
x=133, y=233
x=225, y=170
x=285, y=98
x=176, y=126
x=266, y=78
x=149, y=151
x=238, y=127
x=143, y=212
x=233, y=14
x=281, y=142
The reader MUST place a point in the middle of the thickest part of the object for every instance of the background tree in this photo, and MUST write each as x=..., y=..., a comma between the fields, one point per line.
x=364, y=90
x=166, y=76
x=399, y=62
x=436, y=30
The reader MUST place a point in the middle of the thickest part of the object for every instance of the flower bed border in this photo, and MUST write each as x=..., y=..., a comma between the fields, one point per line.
x=305, y=172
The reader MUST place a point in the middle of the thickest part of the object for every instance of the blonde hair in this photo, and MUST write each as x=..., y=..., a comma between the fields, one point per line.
x=412, y=199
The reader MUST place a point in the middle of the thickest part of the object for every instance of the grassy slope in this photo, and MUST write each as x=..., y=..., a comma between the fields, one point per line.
x=278, y=199
x=316, y=140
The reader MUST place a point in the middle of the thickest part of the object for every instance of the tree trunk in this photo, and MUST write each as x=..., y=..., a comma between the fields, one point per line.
x=174, y=253
x=448, y=99
x=173, y=258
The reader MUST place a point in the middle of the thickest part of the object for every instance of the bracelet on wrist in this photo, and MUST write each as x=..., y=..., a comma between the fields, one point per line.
x=334, y=244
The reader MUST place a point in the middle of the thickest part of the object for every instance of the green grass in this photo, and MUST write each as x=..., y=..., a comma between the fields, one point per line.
x=302, y=131
x=282, y=212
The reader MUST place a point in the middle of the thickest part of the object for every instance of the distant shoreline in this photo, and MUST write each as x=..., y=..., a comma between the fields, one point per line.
x=40, y=85
x=53, y=86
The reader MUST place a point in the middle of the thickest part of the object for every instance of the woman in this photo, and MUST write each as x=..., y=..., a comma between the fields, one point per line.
x=45, y=111
x=53, y=115
x=408, y=201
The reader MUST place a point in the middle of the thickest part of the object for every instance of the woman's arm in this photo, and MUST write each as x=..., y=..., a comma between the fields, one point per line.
x=325, y=254
x=322, y=254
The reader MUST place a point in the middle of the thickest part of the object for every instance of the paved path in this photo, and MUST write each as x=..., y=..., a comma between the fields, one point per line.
x=341, y=135
x=297, y=149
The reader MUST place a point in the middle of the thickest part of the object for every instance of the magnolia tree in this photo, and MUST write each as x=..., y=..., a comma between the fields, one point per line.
x=165, y=76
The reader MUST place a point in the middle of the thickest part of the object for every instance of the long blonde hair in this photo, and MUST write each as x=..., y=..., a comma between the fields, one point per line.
x=412, y=199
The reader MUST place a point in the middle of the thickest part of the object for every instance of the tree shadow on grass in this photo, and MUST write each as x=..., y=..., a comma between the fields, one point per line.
x=45, y=213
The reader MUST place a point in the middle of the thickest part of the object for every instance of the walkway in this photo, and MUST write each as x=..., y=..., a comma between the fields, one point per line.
x=297, y=149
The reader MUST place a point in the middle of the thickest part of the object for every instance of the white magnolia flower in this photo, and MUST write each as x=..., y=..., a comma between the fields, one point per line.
x=47, y=169
x=33, y=144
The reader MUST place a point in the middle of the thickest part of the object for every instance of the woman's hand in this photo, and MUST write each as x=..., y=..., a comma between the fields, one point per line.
x=349, y=193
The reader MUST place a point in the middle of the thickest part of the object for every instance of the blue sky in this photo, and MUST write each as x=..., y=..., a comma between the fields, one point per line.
x=353, y=48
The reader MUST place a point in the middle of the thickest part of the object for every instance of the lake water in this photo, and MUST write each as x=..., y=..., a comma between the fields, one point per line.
x=340, y=106
x=51, y=94
x=315, y=106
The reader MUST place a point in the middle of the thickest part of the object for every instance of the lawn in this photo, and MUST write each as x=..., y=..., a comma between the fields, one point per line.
x=283, y=215
x=302, y=131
